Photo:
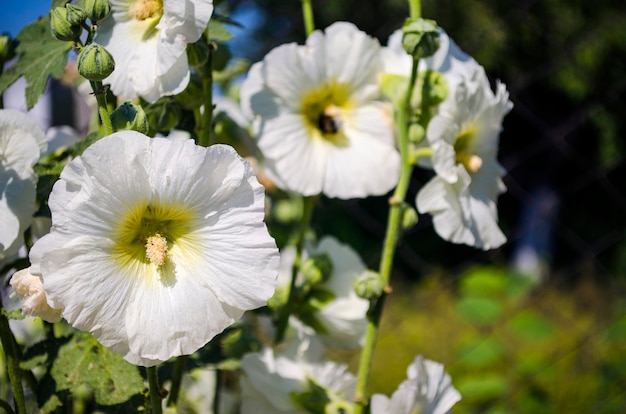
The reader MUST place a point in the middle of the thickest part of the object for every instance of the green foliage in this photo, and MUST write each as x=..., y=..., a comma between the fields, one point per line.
x=543, y=351
x=41, y=56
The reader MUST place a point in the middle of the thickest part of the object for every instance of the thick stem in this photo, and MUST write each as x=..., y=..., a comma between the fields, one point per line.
x=12, y=357
x=206, y=72
x=391, y=237
x=154, y=390
x=177, y=378
x=103, y=110
x=307, y=16
x=415, y=8
x=309, y=203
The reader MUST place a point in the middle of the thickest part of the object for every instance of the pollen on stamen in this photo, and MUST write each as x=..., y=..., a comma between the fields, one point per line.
x=156, y=249
x=474, y=162
x=144, y=9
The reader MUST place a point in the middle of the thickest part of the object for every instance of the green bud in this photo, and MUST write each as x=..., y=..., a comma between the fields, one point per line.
x=75, y=15
x=198, y=53
x=314, y=399
x=96, y=9
x=61, y=28
x=316, y=269
x=7, y=48
x=95, y=63
x=420, y=37
x=338, y=407
x=408, y=216
x=131, y=116
x=369, y=285
x=164, y=114
x=416, y=133
x=434, y=87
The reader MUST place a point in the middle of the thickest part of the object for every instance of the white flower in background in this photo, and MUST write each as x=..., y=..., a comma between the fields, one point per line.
x=464, y=137
x=344, y=316
x=290, y=381
x=156, y=246
x=318, y=123
x=22, y=142
x=30, y=291
x=428, y=390
x=147, y=39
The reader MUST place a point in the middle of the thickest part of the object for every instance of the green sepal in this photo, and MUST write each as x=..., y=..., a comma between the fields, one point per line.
x=316, y=269
x=41, y=56
x=314, y=399
x=129, y=116
x=369, y=285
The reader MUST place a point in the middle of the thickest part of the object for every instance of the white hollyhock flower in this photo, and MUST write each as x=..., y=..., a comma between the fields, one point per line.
x=464, y=137
x=344, y=316
x=30, y=291
x=428, y=390
x=147, y=39
x=318, y=123
x=278, y=382
x=156, y=246
x=22, y=142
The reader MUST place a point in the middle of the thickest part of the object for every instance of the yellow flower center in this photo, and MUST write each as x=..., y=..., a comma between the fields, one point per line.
x=145, y=9
x=324, y=111
x=148, y=235
x=464, y=147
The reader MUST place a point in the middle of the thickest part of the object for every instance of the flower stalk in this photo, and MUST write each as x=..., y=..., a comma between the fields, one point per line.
x=206, y=72
x=391, y=237
x=307, y=16
x=154, y=390
x=12, y=358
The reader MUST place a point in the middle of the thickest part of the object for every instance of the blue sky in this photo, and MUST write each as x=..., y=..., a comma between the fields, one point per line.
x=18, y=13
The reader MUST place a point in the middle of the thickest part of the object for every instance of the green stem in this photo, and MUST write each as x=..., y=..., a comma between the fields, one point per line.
x=307, y=16
x=177, y=378
x=13, y=362
x=206, y=73
x=103, y=109
x=309, y=203
x=216, y=396
x=389, y=246
x=154, y=390
x=415, y=7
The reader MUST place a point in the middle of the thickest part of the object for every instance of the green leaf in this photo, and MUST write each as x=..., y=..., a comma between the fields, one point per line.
x=41, y=56
x=480, y=310
x=83, y=360
x=218, y=31
x=532, y=326
x=483, y=282
x=482, y=352
x=486, y=387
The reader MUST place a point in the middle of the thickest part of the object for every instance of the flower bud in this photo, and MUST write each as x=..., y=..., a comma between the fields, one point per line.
x=61, y=28
x=75, y=15
x=96, y=10
x=317, y=269
x=131, y=116
x=7, y=48
x=420, y=37
x=193, y=96
x=95, y=63
x=198, y=53
x=408, y=216
x=163, y=115
x=368, y=285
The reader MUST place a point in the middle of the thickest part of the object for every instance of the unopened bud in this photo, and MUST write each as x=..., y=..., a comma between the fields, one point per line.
x=420, y=37
x=96, y=10
x=163, y=115
x=317, y=269
x=131, y=116
x=408, y=216
x=95, y=63
x=61, y=28
x=198, y=53
x=75, y=15
x=7, y=48
x=369, y=285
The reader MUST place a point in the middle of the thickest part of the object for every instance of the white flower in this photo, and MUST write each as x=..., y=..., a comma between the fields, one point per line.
x=276, y=382
x=464, y=137
x=22, y=142
x=319, y=125
x=30, y=291
x=344, y=316
x=156, y=246
x=428, y=390
x=147, y=39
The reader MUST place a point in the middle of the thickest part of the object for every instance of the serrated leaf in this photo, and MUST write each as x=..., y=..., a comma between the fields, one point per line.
x=83, y=360
x=40, y=56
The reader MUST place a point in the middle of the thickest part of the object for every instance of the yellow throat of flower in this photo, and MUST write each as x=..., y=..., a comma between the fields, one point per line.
x=324, y=110
x=464, y=149
x=146, y=9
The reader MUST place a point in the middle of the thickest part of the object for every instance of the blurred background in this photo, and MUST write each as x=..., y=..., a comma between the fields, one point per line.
x=539, y=325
